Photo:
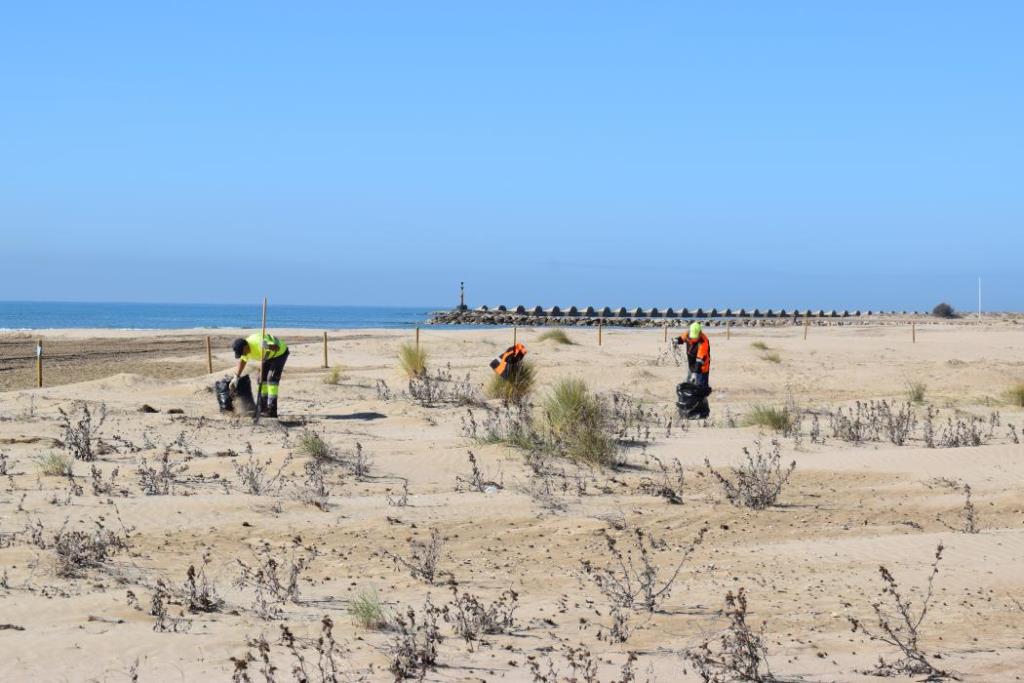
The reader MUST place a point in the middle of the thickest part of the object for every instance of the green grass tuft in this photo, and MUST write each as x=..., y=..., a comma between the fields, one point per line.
x=55, y=464
x=759, y=345
x=334, y=375
x=557, y=336
x=1015, y=395
x=312, y=444
x=772, y=357
x=916, y=392
x=577, y=424
x=779, y=419
x=368, y=612
x=413, y=359
x=517, y=387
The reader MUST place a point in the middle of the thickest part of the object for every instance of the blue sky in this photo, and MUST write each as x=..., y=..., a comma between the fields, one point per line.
x=786, y=154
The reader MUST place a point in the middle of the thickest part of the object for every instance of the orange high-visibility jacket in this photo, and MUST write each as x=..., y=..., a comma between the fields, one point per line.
x=699, y=351
x=512, y=355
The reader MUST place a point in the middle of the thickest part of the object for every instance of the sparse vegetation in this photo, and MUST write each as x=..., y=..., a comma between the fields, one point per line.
x=368, y=611
x=772, y=357
x=899, y=625
x=439, y=388
x=945, y=311
x=274, y=577
x=413, y=359
x=423, y=557
x=55, y=464
x=576, y=425
x=555, y=335
x=413, y=652
x=81, y=433
x=77, y=551
x=334, y=375
x=740, y=654
x=471, y=617
x=781, y=419
x=517, y=387
x=759, y=345
x=1015, y=395
x=313, y=445
x=916, y=392
x=757, y=482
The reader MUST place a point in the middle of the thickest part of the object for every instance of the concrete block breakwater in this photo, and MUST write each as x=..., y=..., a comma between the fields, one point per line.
x=657, y=317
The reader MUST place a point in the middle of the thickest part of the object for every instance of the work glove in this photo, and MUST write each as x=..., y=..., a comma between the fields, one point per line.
x=675, y=341
x=233, y=384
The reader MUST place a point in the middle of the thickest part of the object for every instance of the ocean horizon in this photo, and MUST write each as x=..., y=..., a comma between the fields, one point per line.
x=16, y=316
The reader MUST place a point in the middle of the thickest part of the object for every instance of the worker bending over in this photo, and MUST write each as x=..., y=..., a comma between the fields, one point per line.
x=273, y=354
x=698, y=353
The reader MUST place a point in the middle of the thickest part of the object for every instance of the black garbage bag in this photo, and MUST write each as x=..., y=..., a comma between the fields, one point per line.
x=692, y=401
x=239, y=400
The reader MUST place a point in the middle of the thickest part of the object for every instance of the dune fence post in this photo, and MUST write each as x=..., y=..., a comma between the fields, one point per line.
x=417, y=339
x=209, y=357
x=325, y=351
x=728, y=329
x=913, y=332
x=807, y=323
x=666, y=332
x=515, y=335
x=600, y=329
x=39, y=364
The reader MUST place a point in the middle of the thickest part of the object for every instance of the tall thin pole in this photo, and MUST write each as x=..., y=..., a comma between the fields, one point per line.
x=325, y=351
x=417, y=339
x=728, y=329
x=807, y=322
x=39, y=363
x=913, y=332
x=666, y=332
x=209, y=357
x=600, y=328
x=515, y=335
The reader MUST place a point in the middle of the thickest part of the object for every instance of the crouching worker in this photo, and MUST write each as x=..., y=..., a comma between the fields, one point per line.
x=273, y=354
x=692, y=395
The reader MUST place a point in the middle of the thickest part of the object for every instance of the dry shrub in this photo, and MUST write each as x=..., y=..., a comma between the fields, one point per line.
x=441, y=388
x=511, y=424
x=275, y=576
x=413, y=359
x=79, y=433
x=423, y=557
x=255, y=477
x=669, y=485
x=740, y=654
x=557, y=336
x=945, y=311
x=160, y=480
x=313, y=445
x=633, y=579
x=916, y=392
x=77, y=551
x=517, y=387
x=471, y=618
x=334, y=375
x=413, y=651
x=757, y=482
x=899, y=626
x=317, y=660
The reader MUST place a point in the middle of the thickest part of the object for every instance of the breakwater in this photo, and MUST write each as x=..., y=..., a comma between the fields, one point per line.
x=658, y=317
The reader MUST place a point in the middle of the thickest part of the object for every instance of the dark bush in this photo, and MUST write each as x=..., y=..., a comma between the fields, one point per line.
x=944, y=310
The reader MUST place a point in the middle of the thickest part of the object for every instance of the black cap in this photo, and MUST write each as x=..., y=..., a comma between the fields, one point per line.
x=239, y=347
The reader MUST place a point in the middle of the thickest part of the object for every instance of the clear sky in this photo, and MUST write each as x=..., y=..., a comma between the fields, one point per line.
x=773, y=154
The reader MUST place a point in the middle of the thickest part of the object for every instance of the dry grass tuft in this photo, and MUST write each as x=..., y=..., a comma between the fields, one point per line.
x=779, y=419
x=759, y=345
x=412, y=359
x=334, y=375
x=1015, y=395
x=557, y=336
x=916, y=392
x=55, y=464
x=368, y=612
x=577, y=425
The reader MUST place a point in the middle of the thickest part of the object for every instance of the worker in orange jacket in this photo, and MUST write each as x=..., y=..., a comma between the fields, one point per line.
x=698, y=353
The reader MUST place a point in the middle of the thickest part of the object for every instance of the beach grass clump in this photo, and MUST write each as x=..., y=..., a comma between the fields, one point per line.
x=55, y=464
x=759, y=345
x=516, y=387
x=781, y=419
x=368, y=611
x=577, y=424
x=556, y=335
x=1015, y=395
x=413, y=359
x=772, y=357
x=334, y=375
x=313, y=445
x=916, y=392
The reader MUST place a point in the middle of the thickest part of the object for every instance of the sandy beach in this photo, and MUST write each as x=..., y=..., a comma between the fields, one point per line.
x=808, y=564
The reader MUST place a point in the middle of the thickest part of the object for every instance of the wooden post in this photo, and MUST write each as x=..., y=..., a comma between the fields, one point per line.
x=666, y=332
x=807, y=322
x=209, y=357
x=325, y=351
x=600, y=328
x=913, y=333
x=515, y=334
x=39, y=363
x=417, y=339
x=728, y=329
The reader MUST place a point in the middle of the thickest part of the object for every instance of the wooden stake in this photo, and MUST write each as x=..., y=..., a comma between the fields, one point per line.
x=807, y=322
x=209, y=357
x=728, y=329
x=417, y=339
x=666, y=332
x=913, y=333
x=515, y=335
x=325, y=351
x=600, y=328
x=39, y=364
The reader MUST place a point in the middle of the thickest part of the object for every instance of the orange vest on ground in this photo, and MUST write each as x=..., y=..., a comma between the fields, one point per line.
x=503, y=364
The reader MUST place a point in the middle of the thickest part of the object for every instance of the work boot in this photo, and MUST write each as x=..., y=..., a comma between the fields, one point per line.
x=271, y=408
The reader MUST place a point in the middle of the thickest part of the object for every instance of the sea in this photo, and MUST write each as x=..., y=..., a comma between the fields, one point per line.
x=36, y=315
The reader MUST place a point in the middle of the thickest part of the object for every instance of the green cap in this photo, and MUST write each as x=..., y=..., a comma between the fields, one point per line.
x=695, y=329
